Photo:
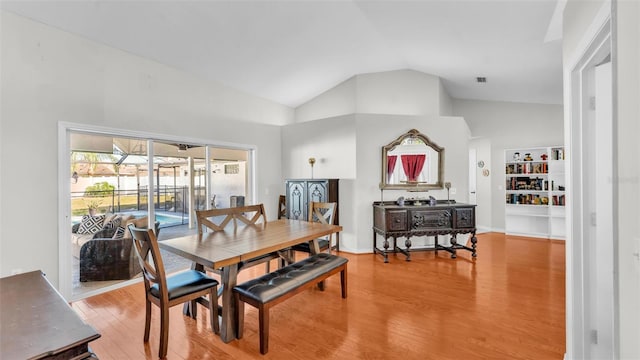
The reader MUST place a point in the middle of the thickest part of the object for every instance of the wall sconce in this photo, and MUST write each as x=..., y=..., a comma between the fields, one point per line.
x=312, y=161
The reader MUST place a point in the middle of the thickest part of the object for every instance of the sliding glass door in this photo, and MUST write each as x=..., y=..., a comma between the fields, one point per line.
x=116, y=180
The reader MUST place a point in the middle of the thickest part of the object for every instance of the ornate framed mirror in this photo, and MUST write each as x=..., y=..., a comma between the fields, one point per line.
x=412, y=162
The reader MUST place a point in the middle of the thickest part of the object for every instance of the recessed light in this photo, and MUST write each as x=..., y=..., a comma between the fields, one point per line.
x=481, y=79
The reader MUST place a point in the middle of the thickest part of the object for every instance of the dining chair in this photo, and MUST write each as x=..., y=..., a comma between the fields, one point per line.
x=219, y=219
x=249, y=215
x=321, y=212
x=167, y=291
x=282, y=207
x=214, y=219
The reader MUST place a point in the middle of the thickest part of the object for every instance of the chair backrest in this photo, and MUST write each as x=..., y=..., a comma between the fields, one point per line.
x=322, y=212
x=218, y=219
x=282, y=207
x=249, y=215
x=214, y=219
x=147, y=250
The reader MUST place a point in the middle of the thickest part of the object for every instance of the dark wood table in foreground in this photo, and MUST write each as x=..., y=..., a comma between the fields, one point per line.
x=37, y=323
x=226, y=249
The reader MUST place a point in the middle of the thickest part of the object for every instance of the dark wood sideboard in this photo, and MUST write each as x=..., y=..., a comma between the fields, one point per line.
x=444, y=218
x=37, y=323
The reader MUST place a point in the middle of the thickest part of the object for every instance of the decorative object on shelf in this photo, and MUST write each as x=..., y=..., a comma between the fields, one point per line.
x=543, y=157
x=312, y=161
x=527, y=157
x=447, y=186
x=485, y=172
x=432, y=201
x=516, y=156
x=480, y=164
x=400, y=201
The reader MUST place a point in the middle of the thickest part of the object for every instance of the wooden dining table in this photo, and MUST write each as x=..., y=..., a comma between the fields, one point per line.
x=226, y=249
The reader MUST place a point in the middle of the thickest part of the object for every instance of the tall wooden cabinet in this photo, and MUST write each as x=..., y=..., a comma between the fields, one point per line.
x=301, y=192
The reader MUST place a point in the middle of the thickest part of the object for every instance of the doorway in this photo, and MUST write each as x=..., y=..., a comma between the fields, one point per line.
x=591, y=292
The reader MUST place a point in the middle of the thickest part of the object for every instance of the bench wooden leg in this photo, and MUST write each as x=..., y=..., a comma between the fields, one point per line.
x=263, y=313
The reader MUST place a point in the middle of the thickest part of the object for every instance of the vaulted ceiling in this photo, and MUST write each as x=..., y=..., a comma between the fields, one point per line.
x=292, y=51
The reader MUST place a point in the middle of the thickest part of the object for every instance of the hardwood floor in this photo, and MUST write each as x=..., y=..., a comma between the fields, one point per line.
x=507, y=304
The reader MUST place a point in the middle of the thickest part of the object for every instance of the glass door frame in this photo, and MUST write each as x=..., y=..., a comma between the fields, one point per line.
x=65, y=129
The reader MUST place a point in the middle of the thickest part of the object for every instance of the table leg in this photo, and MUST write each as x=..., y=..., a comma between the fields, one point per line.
x=454, y=242
x=474, y=241
x=229, y=324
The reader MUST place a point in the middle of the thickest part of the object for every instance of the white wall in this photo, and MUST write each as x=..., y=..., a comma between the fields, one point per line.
x=399, y=92
x=337, y=101
x=49, y=76
x=352, y=149
x=446, y=102
x=375, y=131
x=508, y=125
x=346, y=127
x=332, y=142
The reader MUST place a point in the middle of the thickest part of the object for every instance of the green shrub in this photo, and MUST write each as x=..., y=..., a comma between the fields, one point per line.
x=99, y=189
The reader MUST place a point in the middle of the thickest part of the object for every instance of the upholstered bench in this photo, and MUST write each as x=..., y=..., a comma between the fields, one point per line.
x=277, y=286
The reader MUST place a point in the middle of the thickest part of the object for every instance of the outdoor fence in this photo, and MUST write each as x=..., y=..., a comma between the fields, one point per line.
x=169, y=199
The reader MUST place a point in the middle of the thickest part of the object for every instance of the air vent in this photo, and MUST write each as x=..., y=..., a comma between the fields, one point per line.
x=481, y=79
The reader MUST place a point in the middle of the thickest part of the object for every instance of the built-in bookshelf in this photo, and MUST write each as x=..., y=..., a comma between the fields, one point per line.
x=535, y=192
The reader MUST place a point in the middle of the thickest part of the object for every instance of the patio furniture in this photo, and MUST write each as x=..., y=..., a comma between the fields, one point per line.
x=103, y=257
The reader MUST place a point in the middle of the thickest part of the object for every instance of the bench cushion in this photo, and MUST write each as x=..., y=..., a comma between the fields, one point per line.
x=277, y=283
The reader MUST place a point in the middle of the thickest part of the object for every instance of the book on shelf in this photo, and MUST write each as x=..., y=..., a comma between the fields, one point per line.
x=527, y=167
x=527, y=199
x=558, y=200
x=557, y=154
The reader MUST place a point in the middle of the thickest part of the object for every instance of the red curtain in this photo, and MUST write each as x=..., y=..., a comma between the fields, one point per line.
x=412, y=165
x=391, y=165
